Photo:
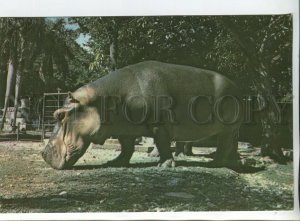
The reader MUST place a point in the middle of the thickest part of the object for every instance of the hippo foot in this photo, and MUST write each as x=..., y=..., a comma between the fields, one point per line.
x=117, y=163
x=238, y=167
x=219, y=164
x=244, y=167
x=190, y=154
x=167, y=164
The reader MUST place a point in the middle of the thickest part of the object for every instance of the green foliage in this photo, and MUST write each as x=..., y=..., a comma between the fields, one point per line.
x=270, y=38
x=53, y=54
x=47, y=53
x=200, y=41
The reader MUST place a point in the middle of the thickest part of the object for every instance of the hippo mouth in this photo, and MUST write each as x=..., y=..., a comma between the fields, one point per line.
x=55, y=158
x=60, y=164
x=57, y=163
x=63, y=160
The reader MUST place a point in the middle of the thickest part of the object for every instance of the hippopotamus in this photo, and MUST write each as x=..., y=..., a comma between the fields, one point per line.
x=167, y=102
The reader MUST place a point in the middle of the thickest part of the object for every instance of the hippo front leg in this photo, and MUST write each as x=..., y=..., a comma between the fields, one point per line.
x=188, y=149
x=227, y=154
x=127, y=149
x=163, y=144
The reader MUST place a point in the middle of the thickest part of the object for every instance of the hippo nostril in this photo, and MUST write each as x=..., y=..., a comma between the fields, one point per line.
x=43, y=155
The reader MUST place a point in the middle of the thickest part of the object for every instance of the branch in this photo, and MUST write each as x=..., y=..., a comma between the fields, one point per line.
x=272, y=21
x=247, y=46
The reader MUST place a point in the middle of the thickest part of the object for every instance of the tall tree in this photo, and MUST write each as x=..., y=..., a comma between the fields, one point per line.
x=18, y=33
x=28, y=41
x=262, y=67
x=105, y=35
x=9, y=37
x=55, y=53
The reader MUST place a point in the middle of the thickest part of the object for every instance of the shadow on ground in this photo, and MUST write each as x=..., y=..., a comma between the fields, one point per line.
x=239, y=169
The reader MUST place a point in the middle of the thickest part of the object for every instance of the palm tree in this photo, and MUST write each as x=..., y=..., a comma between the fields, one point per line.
x=26, y=41
x=9, y=38
x=55, y=52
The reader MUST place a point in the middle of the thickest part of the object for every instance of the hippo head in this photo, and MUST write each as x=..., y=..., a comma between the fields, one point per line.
x=76, y=125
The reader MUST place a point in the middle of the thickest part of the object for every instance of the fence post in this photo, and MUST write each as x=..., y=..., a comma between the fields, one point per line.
x=43, y=122
x=18, y=131
x=58, y=93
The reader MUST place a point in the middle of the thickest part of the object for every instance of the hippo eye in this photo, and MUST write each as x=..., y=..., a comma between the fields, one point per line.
x=60, y=116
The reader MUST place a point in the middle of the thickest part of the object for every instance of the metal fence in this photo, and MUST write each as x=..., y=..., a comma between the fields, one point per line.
x=51, y=102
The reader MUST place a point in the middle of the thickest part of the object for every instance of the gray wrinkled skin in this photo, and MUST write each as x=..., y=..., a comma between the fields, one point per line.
x=80, y=122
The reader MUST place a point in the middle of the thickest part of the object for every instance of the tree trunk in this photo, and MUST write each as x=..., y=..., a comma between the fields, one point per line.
x=113, y=50
x=19, y=73
x=46, y=73
x=17, y=93
x=9, y=84
x=263, y=88
x=3, y=76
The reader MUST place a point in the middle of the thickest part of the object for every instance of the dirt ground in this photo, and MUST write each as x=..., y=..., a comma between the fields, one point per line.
x=28, y=184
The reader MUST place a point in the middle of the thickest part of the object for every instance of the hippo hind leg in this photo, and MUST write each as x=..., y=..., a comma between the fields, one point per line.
x=226, y=154
x=127, y=149
x=179, y=148
x=163, y=144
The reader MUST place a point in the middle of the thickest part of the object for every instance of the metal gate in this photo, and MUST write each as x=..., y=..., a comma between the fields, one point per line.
x=51, y=102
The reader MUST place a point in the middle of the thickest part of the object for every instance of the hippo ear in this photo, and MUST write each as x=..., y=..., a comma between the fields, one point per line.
x=71, y=98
